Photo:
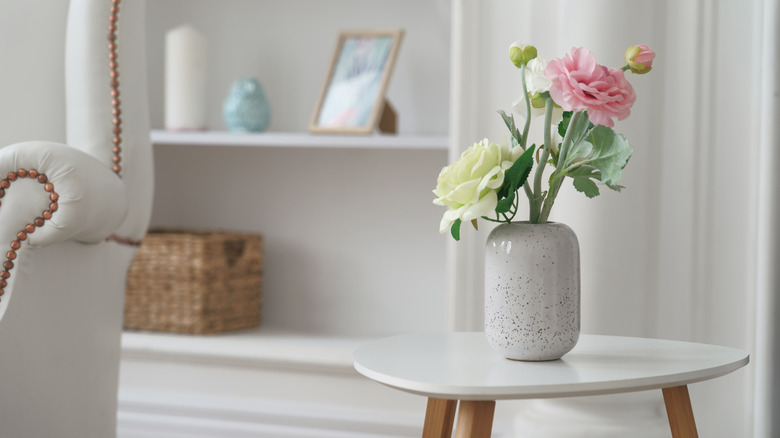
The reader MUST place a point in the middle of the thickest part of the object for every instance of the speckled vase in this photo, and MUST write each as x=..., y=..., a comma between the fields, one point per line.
x=246, y=109
x=532, y=290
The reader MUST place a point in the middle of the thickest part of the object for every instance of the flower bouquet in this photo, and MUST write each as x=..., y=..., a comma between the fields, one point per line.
x=579, y=100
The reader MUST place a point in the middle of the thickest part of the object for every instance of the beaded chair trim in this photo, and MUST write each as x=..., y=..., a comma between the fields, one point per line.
x=113, y=63
x=116, y=111
x=123, y=240
x=30, y=228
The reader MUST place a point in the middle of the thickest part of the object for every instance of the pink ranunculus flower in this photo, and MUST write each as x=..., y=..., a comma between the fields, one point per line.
x=579, y=83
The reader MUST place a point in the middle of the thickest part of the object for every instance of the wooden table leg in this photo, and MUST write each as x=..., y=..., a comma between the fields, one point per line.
x=678, y=408
x=475, y=419
x=439, y=417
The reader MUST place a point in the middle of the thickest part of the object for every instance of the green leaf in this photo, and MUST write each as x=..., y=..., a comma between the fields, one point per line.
x=509, y=120
x=610, y=154
x=516, y=175
x=455, y=230
x=605, y=151
x=564, y=124
x=505, y=204
x=584, y=179
x=587, y=186
x=579, y=152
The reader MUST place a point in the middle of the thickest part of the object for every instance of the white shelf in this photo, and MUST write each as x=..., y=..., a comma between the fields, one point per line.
x=259, y=348
x=305, y=140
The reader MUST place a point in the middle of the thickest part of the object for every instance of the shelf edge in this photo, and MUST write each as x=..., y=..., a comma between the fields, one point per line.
x=287, y=139
x=263, y=351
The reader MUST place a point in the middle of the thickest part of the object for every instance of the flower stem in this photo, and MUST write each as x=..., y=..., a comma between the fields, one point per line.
x=527, y=124
x=558, y=173
x=548, y=108
x=533, y=202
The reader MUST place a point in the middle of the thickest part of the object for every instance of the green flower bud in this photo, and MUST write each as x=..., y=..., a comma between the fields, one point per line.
x=537, y=100
x=520, y=54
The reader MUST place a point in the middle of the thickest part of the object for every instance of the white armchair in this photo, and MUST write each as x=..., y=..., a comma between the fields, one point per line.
x=71, y=217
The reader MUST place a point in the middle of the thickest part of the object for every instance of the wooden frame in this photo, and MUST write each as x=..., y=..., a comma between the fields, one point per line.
x=351, y=103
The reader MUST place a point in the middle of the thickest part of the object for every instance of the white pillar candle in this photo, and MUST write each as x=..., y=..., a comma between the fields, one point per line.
x=185, y=79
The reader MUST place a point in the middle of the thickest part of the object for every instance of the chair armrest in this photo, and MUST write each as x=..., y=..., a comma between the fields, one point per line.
x=52, y=193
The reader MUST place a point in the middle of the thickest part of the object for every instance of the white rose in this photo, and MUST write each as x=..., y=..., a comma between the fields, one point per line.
x=535, y=80
x=536, y=83
x=468, y=186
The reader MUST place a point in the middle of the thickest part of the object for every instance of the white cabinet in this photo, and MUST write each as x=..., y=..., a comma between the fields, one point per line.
x=351, y=247
x=351, y=233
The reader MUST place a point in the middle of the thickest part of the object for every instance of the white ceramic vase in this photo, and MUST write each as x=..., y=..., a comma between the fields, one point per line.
x=532, y=290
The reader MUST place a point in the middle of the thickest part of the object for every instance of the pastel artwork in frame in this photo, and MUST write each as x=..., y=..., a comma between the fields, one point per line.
x=353, y=97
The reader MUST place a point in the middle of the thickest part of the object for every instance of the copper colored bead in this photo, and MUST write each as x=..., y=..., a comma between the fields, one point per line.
x=16, y=245
x=12, y=176
x=48, y=187
x=115, y=102
x=42, y=179
x=32, y=173
x=29, y=228
x=114, y=93
x=114, y=83
x=112, y=36
x=116, y=168
x=112, y=46
x=21, y=235
x=5, y=184
x=46, y=214
x=113, y=17
x=117, y=130
x=112, y=27
x=5, y=274
x=54, y=206
x=112, y=55
x=112, y=65
x=10, y=255
x=116, y=158
x=54, y=196
x=116, y=149
x=8, y=265
x=2, y=193
x=39, y=221
x=117, y=140
x=116, y=111
x=3, y=283
x=22, y=173
x=113, y=75
x=116, y=121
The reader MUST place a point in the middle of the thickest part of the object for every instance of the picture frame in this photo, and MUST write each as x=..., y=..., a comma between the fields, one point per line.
x=352, y=99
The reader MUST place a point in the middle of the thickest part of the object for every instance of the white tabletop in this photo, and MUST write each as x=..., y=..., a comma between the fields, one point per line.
x=463, y=366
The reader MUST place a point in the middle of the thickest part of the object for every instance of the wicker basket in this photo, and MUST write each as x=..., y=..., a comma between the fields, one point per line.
x=196, y=282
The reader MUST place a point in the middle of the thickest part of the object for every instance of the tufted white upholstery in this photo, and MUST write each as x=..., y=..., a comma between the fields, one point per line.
x=61, y=310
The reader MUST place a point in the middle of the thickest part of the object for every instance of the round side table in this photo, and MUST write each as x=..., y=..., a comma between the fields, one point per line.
x=461, y=367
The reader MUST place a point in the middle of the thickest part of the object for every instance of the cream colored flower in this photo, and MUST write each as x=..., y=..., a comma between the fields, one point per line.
x=535, y=80
x=468, y=186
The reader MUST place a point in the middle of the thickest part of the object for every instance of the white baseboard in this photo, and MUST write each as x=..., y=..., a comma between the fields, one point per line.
x=147, y=414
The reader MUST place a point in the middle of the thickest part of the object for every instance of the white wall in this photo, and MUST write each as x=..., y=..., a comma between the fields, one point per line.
x=32, y=94
x=288, y=45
